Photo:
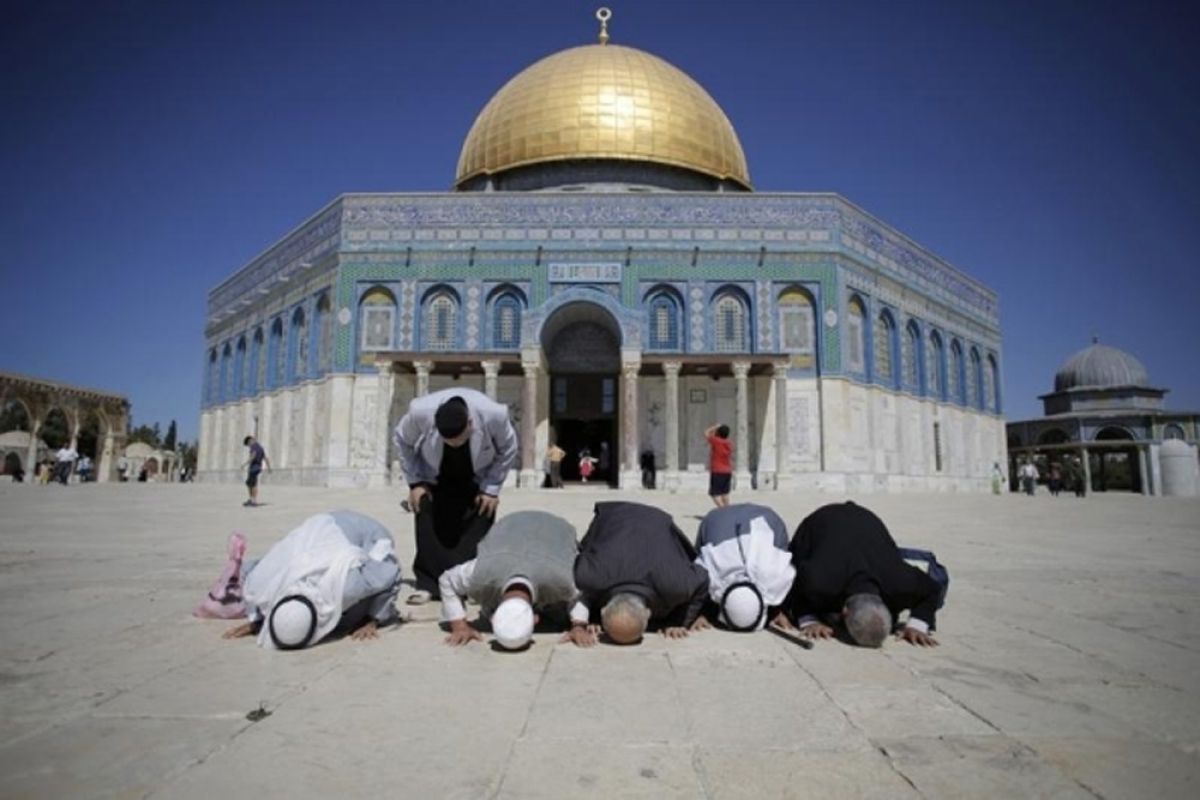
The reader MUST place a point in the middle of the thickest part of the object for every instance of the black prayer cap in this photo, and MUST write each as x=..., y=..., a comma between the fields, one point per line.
x=451, y=417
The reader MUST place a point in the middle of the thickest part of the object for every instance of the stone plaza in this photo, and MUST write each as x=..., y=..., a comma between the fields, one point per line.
x=1069, y=666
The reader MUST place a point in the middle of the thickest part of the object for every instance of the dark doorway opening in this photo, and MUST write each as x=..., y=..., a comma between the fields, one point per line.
x=582, y=343
x=584, y=421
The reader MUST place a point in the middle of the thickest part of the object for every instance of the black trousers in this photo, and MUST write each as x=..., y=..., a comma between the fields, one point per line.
x=448, y=532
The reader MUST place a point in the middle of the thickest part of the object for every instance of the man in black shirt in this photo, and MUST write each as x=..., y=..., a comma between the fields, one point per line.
x=847, y=564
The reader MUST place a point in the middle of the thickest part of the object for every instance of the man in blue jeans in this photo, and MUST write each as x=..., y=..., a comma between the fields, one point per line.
x=258, y=457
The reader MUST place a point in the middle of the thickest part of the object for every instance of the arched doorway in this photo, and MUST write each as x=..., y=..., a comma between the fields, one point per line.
x=1115, y=469
x=582, y=343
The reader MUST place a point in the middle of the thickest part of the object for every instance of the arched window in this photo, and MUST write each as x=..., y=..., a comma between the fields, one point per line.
x=377, y=320
x=441, y=321
x=506, y=321
x=885, y=347
x=226, y=377
x=662, y=310
x=936, y=385
x=210, y=393
x=239, y=369
x=1173, y=431
x=297, y=346
x=797, y=329
x=856, y=352
x=910, y=357
x=978, y=398
x=255, y=379
x=956, y=378
x=322, y=349
x=275, y=355
x=993, y=371
x=730, y=333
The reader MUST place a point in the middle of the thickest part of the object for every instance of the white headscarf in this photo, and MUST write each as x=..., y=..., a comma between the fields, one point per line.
x=313, y=560
x=751, y=556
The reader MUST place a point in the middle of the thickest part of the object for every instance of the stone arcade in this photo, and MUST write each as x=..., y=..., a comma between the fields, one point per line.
x=605, y=269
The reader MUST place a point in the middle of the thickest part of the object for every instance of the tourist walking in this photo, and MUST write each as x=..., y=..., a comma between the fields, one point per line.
x=997, y=478
x=253, y=466
x=1029, y=477
x=587, y=464
x=456, y=447
x=720, y=464
x=65, y=458
x=554, y=459
x=84, y=468
x=1055, y=481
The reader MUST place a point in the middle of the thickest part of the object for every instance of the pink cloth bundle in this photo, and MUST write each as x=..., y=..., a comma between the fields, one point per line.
x=224, y=600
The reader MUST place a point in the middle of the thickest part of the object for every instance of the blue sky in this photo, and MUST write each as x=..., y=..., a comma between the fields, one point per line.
x=149, y=149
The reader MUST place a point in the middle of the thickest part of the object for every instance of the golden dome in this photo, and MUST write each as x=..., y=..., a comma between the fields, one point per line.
x=603, y=101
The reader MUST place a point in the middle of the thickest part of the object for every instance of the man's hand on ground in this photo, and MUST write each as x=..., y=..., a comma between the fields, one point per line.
x=581, y=635
x=914, y=636
x=238, y=631
x=817, y=630
x=677, y=632
x=486, y=505
x=368, y=630
x=461, y=633
x=782, y=622
x=701, y=624
x=414, y=497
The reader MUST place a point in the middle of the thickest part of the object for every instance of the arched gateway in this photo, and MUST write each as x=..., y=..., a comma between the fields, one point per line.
x=582, y=346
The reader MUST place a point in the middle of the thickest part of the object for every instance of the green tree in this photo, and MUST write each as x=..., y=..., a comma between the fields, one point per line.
x=13, y=417
x=145, y=433
x=169, y=441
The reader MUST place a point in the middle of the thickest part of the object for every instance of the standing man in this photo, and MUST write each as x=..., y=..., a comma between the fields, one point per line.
x=253, y=466
x=65, y=463
x=720, y=464
x=525, y=567
x=456, y=447
x=555, y=456
x=848, y=566
x=637, y=566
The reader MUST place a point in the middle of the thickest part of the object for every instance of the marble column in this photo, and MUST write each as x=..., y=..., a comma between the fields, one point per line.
x=530, y=474
x=104, y=464
x=1087, y=471
x=782, y=445
x=491, y=372
x=1143, y=473
x=422, y=369
x=35, y=429
x=630, y=474
x=741, y=445
x=670, y=478
x=383, y=434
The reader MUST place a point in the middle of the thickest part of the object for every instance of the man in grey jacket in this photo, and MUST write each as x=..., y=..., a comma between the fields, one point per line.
x=456, y=447
x=525, y=566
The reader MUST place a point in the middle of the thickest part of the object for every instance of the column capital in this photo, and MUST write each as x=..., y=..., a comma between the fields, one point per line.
x=386, y=367
x=423, y=367
x=779, y=370
x=672, y=368
x=491, y=367
x=741, y=369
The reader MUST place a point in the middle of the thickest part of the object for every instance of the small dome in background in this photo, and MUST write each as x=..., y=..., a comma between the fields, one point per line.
x=1100, y=367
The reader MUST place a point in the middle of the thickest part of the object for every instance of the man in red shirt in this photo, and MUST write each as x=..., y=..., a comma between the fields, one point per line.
x=720, y=464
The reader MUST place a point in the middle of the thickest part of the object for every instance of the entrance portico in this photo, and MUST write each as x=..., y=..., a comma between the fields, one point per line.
x=584, y=386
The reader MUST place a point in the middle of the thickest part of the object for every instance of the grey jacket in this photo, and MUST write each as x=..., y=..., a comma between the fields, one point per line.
x=493, y=440
x=534, y=545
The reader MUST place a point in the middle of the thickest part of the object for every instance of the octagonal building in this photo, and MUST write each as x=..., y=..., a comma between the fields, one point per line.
x=604, y=267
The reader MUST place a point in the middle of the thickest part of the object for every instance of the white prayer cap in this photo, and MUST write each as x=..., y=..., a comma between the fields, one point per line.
x=292, y=622
x=742, y=607
x=512, y=623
